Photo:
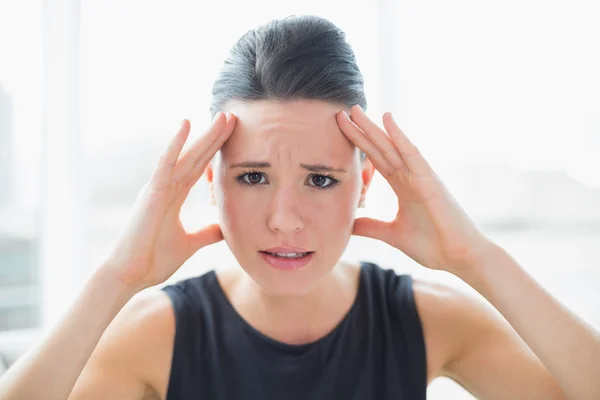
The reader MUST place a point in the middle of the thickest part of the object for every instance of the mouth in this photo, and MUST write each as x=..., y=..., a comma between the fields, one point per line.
x=287, y=261
x=288, y=255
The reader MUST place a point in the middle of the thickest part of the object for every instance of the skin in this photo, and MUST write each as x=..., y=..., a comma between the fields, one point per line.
x=522, y=343
x=287, y=207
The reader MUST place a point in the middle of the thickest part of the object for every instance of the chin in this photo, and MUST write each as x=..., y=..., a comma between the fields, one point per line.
x=295, y=282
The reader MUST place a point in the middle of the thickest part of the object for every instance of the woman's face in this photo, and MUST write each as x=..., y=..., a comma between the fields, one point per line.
x=283, y=203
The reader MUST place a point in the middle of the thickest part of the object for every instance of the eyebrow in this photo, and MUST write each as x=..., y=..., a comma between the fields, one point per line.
x=309, y=167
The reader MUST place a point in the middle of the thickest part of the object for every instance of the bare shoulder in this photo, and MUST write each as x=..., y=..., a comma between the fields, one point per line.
x=449, y=317
x=133, y=357
x=153, y=327
x=470, y=342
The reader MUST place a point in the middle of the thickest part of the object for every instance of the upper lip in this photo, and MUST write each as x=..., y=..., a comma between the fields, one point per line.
x=285, y=249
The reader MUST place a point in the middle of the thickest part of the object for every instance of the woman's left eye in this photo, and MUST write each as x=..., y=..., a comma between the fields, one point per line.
x=319, y=181
x=322, y=179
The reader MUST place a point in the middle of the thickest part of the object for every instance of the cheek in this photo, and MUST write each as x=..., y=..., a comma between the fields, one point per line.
x=338, y=211
x=235, y=213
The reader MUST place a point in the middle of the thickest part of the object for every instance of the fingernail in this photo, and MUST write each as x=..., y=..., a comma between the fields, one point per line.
x=216, y=117
x=181, y=124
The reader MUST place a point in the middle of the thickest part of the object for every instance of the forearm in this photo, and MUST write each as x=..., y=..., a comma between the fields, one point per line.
x=50, y=369
x=567, y=346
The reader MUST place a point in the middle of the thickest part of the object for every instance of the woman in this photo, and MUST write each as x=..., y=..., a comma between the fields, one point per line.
x=289, y=156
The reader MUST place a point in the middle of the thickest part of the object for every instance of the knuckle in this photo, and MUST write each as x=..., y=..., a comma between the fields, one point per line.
x=163, y=161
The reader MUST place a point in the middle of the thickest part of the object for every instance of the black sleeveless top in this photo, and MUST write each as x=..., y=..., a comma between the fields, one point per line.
x=377, y=351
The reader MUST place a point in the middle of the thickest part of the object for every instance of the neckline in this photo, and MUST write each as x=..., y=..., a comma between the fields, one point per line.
x=277, y=343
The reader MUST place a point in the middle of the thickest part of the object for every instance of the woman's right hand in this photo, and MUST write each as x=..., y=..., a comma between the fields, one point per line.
x=154, y=244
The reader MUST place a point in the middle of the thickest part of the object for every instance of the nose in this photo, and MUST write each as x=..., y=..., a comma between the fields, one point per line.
x=285, y=213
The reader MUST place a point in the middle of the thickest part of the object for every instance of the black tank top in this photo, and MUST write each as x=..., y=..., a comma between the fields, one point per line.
x=377, y=351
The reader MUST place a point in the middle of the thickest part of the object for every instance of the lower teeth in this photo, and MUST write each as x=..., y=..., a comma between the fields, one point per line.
x=301, y=256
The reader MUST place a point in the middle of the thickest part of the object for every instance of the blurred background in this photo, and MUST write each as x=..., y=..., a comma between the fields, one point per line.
x=502, y=98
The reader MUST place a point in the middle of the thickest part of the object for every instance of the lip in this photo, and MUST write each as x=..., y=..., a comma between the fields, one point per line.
x=286, y=264
x=285, y=249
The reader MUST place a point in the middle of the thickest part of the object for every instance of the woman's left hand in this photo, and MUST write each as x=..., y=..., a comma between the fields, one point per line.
x=430, y=226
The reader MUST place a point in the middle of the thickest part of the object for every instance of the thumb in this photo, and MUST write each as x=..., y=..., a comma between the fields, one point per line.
x=206, y=236
x=373, y=228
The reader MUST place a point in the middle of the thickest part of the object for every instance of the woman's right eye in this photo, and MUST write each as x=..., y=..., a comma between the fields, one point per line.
x=250, y=178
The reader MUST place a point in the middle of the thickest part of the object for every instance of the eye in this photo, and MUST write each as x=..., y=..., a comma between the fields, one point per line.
x=320, y=181
x=254, y=178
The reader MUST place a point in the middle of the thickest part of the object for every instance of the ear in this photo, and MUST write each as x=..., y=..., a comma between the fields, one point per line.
x=209, y=177
x=367, y=177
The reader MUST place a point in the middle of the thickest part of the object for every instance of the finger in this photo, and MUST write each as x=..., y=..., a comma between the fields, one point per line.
x=372, y=228
x=204, y=159
x=208, y=235
x=409, y=152
x=199, y=167
x=190, y=157
x=378, y=136
x=360, y=140
x=164, y=171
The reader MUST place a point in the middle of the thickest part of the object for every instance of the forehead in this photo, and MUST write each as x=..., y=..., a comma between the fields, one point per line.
x=306, y=129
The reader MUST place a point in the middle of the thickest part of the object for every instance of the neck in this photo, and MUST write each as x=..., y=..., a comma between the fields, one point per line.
x=295, y=319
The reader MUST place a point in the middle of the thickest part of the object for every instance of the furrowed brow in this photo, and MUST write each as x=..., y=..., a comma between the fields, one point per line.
x=308, y=167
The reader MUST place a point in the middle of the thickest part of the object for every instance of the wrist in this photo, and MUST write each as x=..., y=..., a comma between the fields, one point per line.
x=110, y=274
x=477, y=272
